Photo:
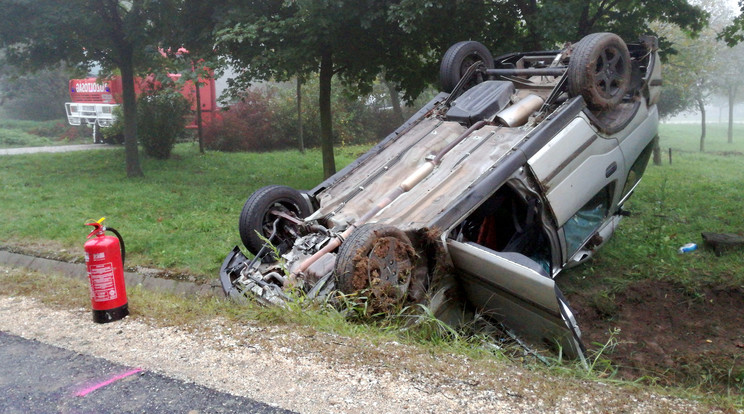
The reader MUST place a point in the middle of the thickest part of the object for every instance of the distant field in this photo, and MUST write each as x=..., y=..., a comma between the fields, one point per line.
x=686, y=137
x=15, y=134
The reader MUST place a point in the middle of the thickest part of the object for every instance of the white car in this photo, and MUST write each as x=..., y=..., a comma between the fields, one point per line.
x=516, y=171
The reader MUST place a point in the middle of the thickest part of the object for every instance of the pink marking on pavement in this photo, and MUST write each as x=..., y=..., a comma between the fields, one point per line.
x=88, y=390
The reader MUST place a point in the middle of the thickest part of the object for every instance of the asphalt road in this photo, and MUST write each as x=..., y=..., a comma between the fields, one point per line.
x=39, y=378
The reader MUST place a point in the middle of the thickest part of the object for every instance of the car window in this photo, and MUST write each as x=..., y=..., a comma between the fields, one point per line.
x=583, y=224
x=636, y=171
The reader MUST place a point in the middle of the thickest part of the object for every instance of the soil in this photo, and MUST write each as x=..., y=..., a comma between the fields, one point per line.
x=668, y=336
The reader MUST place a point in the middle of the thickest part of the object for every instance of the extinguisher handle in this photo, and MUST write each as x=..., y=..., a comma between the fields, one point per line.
x=121, y=242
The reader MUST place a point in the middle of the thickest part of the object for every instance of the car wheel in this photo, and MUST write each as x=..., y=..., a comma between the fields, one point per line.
x=260, y=212
x=379, y=261
x=456, y=61
x=599, y=70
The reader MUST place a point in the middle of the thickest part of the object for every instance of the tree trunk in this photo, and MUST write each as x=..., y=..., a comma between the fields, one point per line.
x=583, y=27
x=731, y=101
x=129, y=108
x=324, y=103
x=701, y=106
x=299, y=115
x=199, y=131
x=533, y=38
x=657, y=151
x=395, y=99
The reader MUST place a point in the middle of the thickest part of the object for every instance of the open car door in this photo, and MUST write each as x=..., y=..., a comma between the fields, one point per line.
x=514, y=290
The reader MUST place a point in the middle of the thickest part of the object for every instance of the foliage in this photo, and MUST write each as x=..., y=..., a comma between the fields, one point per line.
x=161, y=119
x=627, y=18
x=115, y=133
x=246, y=125
x=119, y=35
x=733, y=33
x=39, y=96
x=265, y=118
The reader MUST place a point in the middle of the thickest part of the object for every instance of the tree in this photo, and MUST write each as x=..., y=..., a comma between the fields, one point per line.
x=694, y=72
x=729, y=80
x=627, y=18
x=405, y=39
x=354, y=41
x=121, y=36
x=36, y=96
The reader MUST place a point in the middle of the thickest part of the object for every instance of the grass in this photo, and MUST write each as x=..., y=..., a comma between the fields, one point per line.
x=698, y=192
x=686, y=137
x=15, y=133
x=183, y=215
x=426, y=347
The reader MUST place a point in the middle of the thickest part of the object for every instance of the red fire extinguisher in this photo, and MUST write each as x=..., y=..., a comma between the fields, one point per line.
x=104, y=258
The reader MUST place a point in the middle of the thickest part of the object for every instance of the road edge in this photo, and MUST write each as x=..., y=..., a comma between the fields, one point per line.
x=132, y=279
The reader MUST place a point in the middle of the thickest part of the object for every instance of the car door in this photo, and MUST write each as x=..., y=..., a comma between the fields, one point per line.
x=512, y=289
x=575, y=166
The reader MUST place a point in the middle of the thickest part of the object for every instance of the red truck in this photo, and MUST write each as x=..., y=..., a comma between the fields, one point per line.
x=93, y=100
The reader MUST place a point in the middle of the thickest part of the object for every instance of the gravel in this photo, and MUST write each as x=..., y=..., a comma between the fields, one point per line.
x=310, y=372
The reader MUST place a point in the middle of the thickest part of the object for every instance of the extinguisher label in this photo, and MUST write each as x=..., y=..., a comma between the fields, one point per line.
x=97, y=257
x=102, y=284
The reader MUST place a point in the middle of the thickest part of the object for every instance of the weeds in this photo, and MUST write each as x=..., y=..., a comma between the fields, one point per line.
x=599, y=365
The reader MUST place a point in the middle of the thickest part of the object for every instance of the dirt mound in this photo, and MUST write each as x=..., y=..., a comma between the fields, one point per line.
x=667, y=335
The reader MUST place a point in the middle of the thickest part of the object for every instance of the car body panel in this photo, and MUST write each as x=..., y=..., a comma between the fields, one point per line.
x=478, y=153
x=515, y=294
x=571, y=166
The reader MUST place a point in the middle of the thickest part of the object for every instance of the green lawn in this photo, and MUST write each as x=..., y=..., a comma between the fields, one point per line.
x=698, y=192
x=686, y=137
x=14, y=133
x=183, y=215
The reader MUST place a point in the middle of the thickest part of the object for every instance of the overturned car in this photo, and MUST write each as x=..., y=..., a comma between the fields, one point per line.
x=516, y=171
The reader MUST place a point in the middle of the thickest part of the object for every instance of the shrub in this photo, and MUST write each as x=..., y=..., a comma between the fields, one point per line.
x=115, y=133
x=160, y=121
x=61, y=131
x=245, y=126
x=266, y=118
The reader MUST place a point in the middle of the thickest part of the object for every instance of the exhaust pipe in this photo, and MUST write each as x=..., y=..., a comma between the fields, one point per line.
x=406, y=185
x=517, y=114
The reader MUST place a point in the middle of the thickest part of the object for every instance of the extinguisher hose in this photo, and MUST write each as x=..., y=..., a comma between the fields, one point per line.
x=121, y=242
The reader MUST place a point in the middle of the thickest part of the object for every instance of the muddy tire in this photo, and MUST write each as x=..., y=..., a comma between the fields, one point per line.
x=599, y=70
x=378, y=259
x=258, y=216
x=456, y=61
